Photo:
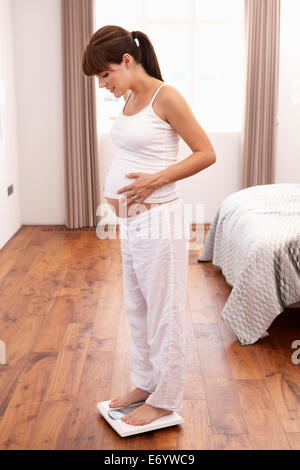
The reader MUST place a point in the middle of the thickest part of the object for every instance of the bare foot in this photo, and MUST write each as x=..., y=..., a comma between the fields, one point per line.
x=132, y=397
x=144, y=414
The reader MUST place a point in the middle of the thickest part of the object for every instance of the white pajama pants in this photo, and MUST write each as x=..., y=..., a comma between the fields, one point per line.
x=154, y=248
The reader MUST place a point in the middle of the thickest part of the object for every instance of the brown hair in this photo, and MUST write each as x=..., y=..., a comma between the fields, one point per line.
x=109, y=43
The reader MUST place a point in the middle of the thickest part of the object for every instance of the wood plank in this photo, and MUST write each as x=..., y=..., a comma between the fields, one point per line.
x=47, y=426
x=19, y=340
x=294, y=440
x=83, y=428
x=232, y=442
x=198, y=296
x=194, y=385
x=69, y=366
x=120, y=380
x=18, y=420
x=264, y=426
x=107, y=316
x=242, y=359
x=282, y=378
x=195, y=432
x=222, y=398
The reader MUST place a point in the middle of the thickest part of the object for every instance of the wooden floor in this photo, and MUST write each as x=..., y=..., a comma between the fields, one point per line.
x=66, y=333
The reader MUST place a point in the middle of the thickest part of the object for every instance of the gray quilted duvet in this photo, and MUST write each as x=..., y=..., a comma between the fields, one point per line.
x=255, y=240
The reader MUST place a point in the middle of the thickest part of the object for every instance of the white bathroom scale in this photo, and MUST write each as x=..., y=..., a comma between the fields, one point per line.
x=113, y=417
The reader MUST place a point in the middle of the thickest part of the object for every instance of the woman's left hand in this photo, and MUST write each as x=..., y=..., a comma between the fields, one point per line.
x=142, y=187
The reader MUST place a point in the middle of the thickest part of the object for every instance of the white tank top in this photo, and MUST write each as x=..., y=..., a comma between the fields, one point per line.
x=146, y=143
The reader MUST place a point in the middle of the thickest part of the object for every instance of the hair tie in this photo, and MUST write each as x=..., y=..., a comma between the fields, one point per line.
x=133, y=34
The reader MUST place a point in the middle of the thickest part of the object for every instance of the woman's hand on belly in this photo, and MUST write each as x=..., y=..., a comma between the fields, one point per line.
x=140, y=189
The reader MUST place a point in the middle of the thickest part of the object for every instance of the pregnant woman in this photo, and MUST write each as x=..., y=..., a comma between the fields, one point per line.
x=141, y=188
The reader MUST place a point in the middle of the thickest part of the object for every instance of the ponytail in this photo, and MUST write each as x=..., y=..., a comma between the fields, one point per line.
x=110, y=43
x=147, y=54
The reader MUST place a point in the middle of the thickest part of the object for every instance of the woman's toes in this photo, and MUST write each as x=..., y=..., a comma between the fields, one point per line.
x=131, y=421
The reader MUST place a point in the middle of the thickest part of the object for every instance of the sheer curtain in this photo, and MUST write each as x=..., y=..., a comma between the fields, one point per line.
x=82, y=183
x=259, y=136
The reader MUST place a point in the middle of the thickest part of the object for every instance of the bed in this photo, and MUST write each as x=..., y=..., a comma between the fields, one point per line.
x=255, y=240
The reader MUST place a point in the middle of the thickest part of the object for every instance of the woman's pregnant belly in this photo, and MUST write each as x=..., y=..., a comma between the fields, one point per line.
x=116, y=179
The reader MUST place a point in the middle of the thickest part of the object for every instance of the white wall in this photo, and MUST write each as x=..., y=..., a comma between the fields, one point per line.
x=288, y=144
x=9, y=205
x=38, y=65
x=30, y=63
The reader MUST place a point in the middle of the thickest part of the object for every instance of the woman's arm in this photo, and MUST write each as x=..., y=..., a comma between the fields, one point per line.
x=180, y=116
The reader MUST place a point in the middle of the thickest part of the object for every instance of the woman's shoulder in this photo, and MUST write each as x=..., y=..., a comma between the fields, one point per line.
x=166, y=99
x=169, y=91
x=170, y=98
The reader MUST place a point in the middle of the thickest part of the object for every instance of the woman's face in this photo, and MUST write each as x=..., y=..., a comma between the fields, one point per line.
x=115, y=80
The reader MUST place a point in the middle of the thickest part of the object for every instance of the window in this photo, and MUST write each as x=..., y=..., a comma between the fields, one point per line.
x=200, y=49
